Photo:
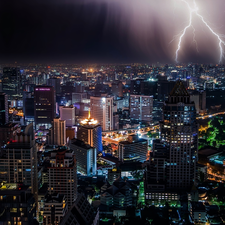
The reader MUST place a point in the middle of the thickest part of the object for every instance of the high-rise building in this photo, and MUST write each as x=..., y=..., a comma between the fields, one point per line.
x=86, y=157
x=55, y=82
x=134, y=148
x=62, y=174
x=4, y=109
x=90, y=132
x=141, y=108
x=57, y=133
x=117, y=89
x=18, y=160
x=17, y=205
x=102, y=110
x=44, y=106
x=67, y=113
x=173, y=161
x=11, y=81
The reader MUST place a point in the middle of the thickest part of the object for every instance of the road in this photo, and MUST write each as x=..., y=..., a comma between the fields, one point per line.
x=210, y=115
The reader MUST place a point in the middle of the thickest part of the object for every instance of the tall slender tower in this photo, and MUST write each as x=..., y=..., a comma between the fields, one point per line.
x=102, y=110
x=179, y=130
x=174, y=157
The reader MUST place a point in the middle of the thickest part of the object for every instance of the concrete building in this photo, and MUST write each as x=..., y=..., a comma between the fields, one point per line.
x=172, y=165
x=57, y=134
x=90, y=132
x=17, y=205
x=113, y=174
x=55, y=82
x=44, y=106
x=62, y=174
x=133, y=149
x=102, y=111
x=18, y=160
x=141, y=108
x=67, y=113
x=4, y=109
x=86, y=157
x=55, y=208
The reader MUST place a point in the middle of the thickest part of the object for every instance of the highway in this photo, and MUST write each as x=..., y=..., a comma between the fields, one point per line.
x=210, y=115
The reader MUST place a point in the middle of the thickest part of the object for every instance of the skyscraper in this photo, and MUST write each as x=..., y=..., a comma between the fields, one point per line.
x=90, y=132
x=102, y=110
x=11, y=81
x=63, y=174
x=141, y=108
x=44, y=106
x=67, y=113
x=4, y=109
x=86, y=157
x=173, y=161
x=57, y=133
x=18, y=160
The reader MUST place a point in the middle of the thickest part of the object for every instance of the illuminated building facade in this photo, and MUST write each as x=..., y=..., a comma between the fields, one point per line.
x=86, y=157
x=102, y=111
x=57, y=133
x=17, y=206
x=174, y=157
x=90, y=132
x=62, y=174
x=18, y=160
x=133, y=149
x=44, y=106
x=141, y=107
x=67, y=113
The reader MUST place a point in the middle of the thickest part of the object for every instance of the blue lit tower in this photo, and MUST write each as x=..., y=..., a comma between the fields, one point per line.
x=90, y=132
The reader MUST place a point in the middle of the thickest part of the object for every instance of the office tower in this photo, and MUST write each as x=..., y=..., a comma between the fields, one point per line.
x=17, y=205
x=70, y=133
x=11, y=81
x=78, y=97
x=4, y=109
x=173, y=161
x=143, y=87
x=141, y=108
x=18, y=160
x=67, y=113
x=102, y=111
x=90, y=132
x=55, y=208
x=54, y=82
x=179, y=130
x=86, y=157
x=57, y=133
x=81, y=213
x=62, y=174
x=134, y=148
x=44, y=106
x=199, y=98
x=117, y=89
x=209, y=85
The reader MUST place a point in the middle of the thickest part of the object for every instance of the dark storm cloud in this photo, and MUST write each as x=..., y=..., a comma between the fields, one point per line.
x=102, y=31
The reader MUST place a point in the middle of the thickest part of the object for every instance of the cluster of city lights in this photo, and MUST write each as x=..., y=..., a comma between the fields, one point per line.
x=89, y=121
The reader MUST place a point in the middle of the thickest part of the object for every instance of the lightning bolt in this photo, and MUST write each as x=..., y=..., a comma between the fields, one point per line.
x=194, y=10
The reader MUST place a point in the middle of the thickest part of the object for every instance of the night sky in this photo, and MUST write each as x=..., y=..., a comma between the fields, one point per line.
x=104, y=31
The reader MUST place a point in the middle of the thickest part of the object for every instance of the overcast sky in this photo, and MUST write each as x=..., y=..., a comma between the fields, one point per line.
x=107, y=31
